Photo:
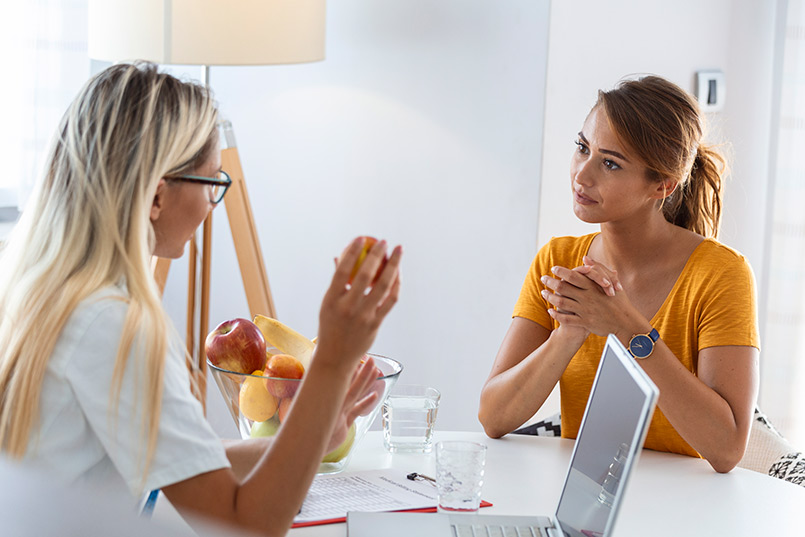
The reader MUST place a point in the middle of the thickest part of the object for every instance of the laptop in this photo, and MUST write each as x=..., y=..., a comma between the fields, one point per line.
x=609, y=442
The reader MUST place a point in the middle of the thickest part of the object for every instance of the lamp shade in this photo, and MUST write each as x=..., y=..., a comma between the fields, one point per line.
x=207, y=32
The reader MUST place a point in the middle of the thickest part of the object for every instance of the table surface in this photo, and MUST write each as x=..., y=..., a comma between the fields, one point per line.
x=668, y=494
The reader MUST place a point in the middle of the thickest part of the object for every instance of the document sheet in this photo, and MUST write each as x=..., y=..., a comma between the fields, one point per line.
x=332, y=496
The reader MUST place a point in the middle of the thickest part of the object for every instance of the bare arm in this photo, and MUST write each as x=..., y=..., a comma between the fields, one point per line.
x=244, y=455
x=528, y=365
x=712, y=412
x=269, y=496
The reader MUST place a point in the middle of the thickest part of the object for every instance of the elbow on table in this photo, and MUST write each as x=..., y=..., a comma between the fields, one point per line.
x=491, y=425
x=722, y=467
x=724, y=462
x=493, y=432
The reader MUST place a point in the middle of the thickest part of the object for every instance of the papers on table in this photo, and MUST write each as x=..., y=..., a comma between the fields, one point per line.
x=332, y=496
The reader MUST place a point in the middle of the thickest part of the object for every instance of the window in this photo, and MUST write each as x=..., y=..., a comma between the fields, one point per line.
x=45, y=63
x=782, y=391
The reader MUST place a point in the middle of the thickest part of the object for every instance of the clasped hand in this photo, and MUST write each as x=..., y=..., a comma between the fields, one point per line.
x=589, y=297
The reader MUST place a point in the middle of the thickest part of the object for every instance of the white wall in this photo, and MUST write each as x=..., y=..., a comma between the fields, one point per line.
x=423, y=126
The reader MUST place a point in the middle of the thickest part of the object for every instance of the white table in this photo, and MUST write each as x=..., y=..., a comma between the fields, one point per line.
x=668, y=495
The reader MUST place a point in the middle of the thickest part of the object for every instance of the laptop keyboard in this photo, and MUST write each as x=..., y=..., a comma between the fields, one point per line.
x=475, y=530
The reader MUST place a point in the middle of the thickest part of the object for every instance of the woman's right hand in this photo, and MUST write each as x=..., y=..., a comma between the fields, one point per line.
x=572, y=336
x=350, y=316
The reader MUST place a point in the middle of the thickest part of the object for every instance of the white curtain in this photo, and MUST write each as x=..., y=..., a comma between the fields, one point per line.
x=44, y=64
x=782, y=394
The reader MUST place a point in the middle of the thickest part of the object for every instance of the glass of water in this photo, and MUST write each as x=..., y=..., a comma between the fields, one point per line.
x=460, y=475
x=409, y=413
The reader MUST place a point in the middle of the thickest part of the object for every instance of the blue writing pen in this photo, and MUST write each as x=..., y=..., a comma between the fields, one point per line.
x=148, y=508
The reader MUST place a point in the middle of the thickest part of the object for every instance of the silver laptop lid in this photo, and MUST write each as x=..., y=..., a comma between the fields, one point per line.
x=611, y=436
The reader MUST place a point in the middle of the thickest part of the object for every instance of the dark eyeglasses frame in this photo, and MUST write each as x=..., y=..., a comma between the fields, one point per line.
x=226, y=182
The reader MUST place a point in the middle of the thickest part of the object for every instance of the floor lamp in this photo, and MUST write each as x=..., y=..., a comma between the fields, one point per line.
x=207, y=33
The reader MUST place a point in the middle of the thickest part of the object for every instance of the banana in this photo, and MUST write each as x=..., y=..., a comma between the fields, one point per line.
x=286, y=339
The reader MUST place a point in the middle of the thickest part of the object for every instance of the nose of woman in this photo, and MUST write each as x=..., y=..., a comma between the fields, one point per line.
x=581, y=173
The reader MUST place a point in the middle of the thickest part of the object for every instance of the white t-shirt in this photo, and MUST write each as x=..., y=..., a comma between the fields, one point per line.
x=78, y=440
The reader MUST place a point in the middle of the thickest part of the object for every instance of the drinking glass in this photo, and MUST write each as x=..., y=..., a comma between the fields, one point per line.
x=409, y=414
x=460, y=475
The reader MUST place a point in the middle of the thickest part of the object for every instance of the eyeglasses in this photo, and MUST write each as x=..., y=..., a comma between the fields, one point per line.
x=219, y=184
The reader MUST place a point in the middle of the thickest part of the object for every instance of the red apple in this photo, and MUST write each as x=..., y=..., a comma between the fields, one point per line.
x=367, y=243
x=283, y=366
x=236, y=345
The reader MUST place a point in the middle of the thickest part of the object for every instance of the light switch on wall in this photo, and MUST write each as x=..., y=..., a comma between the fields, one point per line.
x=710, y=90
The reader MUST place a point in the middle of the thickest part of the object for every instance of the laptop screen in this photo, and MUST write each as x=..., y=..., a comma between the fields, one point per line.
x=612, y=433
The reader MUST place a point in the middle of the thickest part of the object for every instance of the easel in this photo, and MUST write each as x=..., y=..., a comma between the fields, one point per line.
x=250, y=260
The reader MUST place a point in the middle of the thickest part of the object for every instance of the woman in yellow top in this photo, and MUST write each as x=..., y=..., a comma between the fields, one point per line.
x=655, y=276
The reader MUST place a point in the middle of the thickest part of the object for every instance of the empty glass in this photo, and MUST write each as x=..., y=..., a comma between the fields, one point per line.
x=460, y=475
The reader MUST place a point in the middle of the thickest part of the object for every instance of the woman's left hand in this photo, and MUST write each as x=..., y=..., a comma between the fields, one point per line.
x=360, y=398
x=589, y=296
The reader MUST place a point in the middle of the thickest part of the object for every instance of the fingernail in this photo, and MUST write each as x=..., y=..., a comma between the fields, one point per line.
x=607, y=283
x=544, y=293
x=554, y=269
x=544, y=280
x=619, y=286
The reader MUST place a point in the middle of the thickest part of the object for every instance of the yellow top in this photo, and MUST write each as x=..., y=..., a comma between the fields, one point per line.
x=711, y=304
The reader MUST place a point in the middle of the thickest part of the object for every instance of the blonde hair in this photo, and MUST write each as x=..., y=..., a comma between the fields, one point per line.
x=88, y=226
x=662, y=124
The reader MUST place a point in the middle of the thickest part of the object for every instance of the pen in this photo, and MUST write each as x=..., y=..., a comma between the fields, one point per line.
x=148, y=508
x=413, y=476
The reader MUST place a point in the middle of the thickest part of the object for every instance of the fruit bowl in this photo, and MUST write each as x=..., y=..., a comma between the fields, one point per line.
x=259, y=405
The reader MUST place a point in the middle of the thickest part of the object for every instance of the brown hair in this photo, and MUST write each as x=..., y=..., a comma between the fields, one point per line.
x=662, y=125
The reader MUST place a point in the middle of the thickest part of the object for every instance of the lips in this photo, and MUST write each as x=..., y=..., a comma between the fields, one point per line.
x=582, y=199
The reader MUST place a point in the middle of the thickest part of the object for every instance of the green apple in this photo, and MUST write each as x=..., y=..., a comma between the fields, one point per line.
x=341, y=451
x=265, y=428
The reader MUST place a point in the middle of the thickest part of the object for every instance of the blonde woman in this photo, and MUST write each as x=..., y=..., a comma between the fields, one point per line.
x=680, y=301
x=93, y=385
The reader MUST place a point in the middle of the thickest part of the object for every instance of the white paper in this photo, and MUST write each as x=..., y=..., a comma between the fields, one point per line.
x=332, y=496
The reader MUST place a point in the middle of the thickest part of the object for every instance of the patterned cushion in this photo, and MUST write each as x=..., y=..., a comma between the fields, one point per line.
x=790, y=468
x=768, y=452
x=551, y=426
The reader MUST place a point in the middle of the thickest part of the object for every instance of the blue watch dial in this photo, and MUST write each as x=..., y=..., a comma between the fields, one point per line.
x=641, y=346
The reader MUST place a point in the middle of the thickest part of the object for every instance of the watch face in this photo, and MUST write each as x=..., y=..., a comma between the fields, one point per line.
x=641, y=346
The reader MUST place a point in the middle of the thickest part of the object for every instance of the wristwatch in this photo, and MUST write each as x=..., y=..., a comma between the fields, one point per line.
x=642, y=345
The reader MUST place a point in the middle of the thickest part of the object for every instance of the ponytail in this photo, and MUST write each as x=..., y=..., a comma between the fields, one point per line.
x=696, y=204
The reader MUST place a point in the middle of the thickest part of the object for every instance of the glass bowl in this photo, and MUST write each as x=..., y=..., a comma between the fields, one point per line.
x=258, y=405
